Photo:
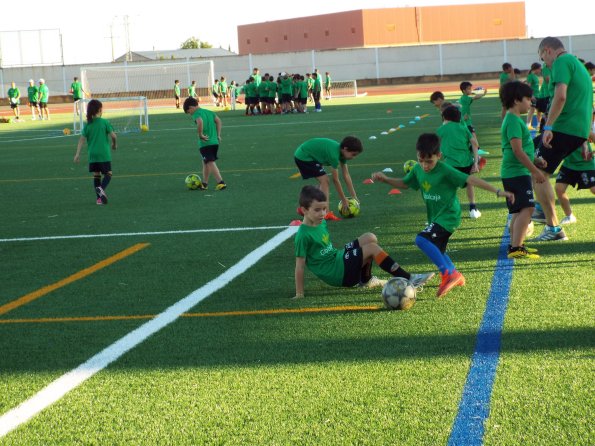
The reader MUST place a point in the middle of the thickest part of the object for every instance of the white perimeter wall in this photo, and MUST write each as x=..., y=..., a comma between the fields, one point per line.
x=360, y=64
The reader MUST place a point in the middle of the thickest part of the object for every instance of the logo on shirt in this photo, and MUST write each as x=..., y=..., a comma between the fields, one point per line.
x=325, y=239
x=426, y=186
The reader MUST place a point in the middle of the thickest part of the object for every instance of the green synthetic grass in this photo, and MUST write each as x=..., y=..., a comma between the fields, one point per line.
x=340, y=377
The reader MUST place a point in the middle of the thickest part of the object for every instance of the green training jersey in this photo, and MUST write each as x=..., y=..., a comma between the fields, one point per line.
x=32, y=93
x=322, y=258
x=320, y=150
x=504, y=77
x=439, y=192
x=455, y=139
x=223, y=86
x=317, y=86
x=192, y=91
x=575, y=161
x=575, y=118
x=514, y=127
x=97, y=133
x=466, y=102
x=14, y=95
x=533, y=82
x=177, y=89
x=272, y=89
x=546, y=74
x=44, y=93
x=257, y=79
x=303, y=91
x=286, y=85
x=263, y=89
x=77, y=90
x=327, y=81
x=209, y=127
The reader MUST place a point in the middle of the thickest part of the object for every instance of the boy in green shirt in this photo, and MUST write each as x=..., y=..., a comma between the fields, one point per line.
x=76, y=88
x=192, y=90
x=346, y=267
x=97, y=132
x=327, y=85
x=32, y=95
x=506, y=75
x=311, y=157
x=575, y=171
x=439, y=183
x=208, y=127
x=14, y=96
x=533, y=82
x=517, y=168
x=44, y=95
x=455, y=140
x=177, y=92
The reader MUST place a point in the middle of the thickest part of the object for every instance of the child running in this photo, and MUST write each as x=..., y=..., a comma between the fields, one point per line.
x=346, y=267
x=97, y=132
x=439, y=183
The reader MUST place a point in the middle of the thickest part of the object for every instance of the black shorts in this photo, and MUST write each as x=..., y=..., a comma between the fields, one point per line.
x=437, y=235
x=33, y=104
x=285, y=98
x=215, y=95
x=522, y=188
x=271, y=100
x=103, y=167
x=310, y=169
x=209, y=153
x=316, y=95
x=14, y=105
x=581, y=179
x=43, y=105
x=562, y=146
x=176, y=97
x=471, y=129
x=466, y=169
x=75, y=99
x=303, y=101
x=353, y=260
x=542, y=104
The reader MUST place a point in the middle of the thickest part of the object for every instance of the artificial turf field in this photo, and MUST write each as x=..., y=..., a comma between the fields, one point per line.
x=247, y=365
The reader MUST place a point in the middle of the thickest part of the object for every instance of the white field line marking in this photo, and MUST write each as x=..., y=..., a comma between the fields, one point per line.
x=69, y=381
x=132, y=234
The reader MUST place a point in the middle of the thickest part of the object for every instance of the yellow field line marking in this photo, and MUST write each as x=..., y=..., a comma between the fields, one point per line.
x=215, y=314
x=68, y=280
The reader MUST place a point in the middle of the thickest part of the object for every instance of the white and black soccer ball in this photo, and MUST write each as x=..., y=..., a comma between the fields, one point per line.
x=398, y=294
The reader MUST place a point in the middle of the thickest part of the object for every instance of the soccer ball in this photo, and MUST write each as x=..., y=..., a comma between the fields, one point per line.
x=193, y=181
x=408, y=166
x=66, y=131
x=398, y=294
x=352, y=210
x=226, y=108
x=144, y=128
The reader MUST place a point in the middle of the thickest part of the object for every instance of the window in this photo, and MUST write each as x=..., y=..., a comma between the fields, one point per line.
x=305, y=35
x=266, y=40
x=352, y=30
x=391, y=28
x=248, y=41
x=327, y=33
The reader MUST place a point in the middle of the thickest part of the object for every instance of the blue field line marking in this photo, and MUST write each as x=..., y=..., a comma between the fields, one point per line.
x=474, y=408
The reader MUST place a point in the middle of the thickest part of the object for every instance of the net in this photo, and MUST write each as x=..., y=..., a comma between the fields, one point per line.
x=341, y=89
x=125, y=114
x=152, y=81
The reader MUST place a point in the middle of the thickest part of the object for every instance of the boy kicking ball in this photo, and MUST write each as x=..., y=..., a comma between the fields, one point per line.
x=345, y=267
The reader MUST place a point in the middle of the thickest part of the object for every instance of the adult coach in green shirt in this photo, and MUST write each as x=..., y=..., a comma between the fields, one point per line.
x=33, y=96
x=567, y=127
x=44, y=95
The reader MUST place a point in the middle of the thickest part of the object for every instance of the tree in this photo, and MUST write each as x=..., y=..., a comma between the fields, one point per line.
x=193, y=43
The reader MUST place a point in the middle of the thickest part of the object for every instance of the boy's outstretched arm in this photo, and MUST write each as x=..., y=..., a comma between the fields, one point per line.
x=300, y=265
x=348, y=181
x=382, y=178
x=337, y=183
x=478, y=182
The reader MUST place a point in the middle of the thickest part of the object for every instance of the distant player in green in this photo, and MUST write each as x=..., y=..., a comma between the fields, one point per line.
x=223, y=91
x=567, y=127
x=455, y=140
x=328, y=85
x=517, y=168
x=33, y=97
x=533, y=82
x=14, y=97
x=345, y=267
x=272, y=93
x=311, y=157
x=216, y=92
x=316, y=92
x=576, y=172
x=44, y=95
x=177, y=92
x=98, y=132
x=439, y=183
x=76, y=89
x=208, y=126
x=192, y=90
x=469, y=96
x=506, y=75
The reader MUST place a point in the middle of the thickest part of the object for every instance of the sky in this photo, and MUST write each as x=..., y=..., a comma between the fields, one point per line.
x=89, y=33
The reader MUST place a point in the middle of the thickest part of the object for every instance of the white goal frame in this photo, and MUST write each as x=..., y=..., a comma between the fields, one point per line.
x=132, y=106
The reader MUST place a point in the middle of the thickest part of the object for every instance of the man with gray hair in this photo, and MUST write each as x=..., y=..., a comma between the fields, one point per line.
x=567, y=127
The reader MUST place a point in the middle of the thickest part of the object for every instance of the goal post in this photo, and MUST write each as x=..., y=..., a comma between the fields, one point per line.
x=154, y=81
x=341, y=89
x=125, y=114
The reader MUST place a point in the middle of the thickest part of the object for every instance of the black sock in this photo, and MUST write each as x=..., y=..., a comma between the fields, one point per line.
x=106, y=179
x=472, y=206
x=96, y=183
x=393, y=268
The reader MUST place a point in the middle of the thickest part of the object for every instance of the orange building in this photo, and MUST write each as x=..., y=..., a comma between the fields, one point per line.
x=386, y=27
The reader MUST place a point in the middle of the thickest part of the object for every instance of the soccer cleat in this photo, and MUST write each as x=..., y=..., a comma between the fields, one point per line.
x=99, y=202
x=374, y=282
x=101, y=194
x=419, y=280
x=521, y=253
x=331, y=216
x=474, y=213
x=220, y=186
x=449, y=281
x=569, y=219
x=548, y=235
x=538, y=216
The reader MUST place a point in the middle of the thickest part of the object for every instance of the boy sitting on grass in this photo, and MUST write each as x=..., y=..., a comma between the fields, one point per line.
x=439, y=183
x=345, y=267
